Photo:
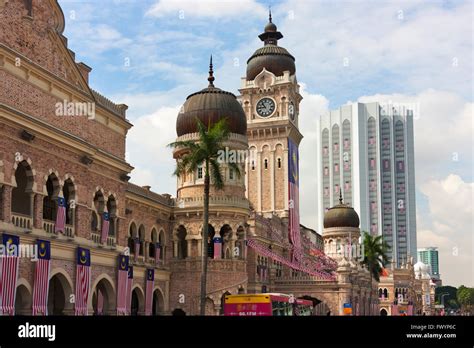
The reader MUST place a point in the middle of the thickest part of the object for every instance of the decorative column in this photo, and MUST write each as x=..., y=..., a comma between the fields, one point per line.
x=38, y=211
x=259, y=181
x=5, y=201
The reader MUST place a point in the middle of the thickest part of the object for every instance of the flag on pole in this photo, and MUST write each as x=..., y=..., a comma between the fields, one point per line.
x=137, y=249
x=41, y=285
x=122, y=280
x=217, y=247
x=157, y=253
x=293, y=196
x=150, y=284
x=83, y=278
x=129, y=290
x=9, y=274
x=105, y=227
x=60, y=224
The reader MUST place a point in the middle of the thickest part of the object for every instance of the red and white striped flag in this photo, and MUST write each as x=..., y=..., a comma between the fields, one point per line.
x=150, y=284
x=9, y=274
x=122, y=280
x=83, y=279
x=41, y=285
x=293, y=193
x=217, y=247
x=60, y=216
x=105, y=227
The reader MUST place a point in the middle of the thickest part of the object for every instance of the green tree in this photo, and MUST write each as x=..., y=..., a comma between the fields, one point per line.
x=451, y=292
x=205, y=151
x=375, y=256
x=465, y=297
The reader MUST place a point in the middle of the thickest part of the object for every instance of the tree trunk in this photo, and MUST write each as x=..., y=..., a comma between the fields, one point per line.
x=205, y=233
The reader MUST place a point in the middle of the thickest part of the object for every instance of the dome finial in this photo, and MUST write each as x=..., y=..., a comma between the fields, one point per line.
x=340, y=197
x=211, y=72
x=270, y=14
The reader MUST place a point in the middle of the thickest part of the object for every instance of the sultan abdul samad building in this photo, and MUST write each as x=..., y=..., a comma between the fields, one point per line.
x=45, y=156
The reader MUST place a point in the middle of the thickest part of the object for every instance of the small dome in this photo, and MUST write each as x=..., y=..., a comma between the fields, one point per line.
x=341, y=215
x=210, y=105
x=271, y=27
x=271, y=56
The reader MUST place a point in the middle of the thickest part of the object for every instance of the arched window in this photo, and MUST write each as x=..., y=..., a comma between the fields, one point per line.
x=265, y=163
x=385, y=293
x=69, y=194
x=99, y=205
x=380, y=292
x=210, y=241
x=182, y=243
x=50, y=202
x=132, y=234
x=152, y=246
x=141, y=237
x=21, y=194
x=226, y=235
x=112, y=209
x=161, y=240
x=279, y=163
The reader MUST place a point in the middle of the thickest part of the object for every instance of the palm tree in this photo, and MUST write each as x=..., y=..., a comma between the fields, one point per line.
x=205, y=151
x=375, y=257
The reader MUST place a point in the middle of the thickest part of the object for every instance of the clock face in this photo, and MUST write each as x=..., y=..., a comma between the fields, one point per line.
x=291, y=111
x=265, y=107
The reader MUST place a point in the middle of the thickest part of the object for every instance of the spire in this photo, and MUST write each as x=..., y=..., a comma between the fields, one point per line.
x=340, y=197
x=270, y=14
x=211, y=76
x=271, y=35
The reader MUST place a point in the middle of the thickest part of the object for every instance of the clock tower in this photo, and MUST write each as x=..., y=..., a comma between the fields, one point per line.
x=270, y=98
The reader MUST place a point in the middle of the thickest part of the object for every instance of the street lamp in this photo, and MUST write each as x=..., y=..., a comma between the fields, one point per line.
x=442, y=297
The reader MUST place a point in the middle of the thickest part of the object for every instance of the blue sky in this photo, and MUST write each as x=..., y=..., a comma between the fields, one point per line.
x=151, y=54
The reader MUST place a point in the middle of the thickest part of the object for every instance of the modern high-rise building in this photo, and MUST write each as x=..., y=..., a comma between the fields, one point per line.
x=366, y=150
x=429, y=256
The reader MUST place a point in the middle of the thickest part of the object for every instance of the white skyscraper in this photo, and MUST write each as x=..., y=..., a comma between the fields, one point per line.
x=367, y=151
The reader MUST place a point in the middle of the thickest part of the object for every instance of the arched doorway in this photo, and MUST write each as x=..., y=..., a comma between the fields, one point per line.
x=103, y=298
x=59, y=295
x=383, y=312
x=22, y=301
x=178, y=312
x=221, y=310
x=138, y=301
x=182, y=251
x=210, y=309
x=158, y=303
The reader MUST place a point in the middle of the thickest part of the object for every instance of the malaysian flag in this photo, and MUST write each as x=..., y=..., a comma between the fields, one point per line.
x=150, y=284
x=105, y=227
x=157, y=253
x=129, y=290
x=294, y=200
x=137, y=249
x=41, y=286
x=83, y=279
x=122, y=280
x=217, y=247
x=9, y=274
x=60, y=216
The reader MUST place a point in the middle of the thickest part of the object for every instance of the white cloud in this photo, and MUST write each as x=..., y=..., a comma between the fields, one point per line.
x=220, y=9
x=147, y=147
x=449, y=226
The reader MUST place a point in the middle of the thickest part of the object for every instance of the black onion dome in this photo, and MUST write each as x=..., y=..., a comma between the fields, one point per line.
x=272, y=57
x=341, y=215
x=210, y=105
